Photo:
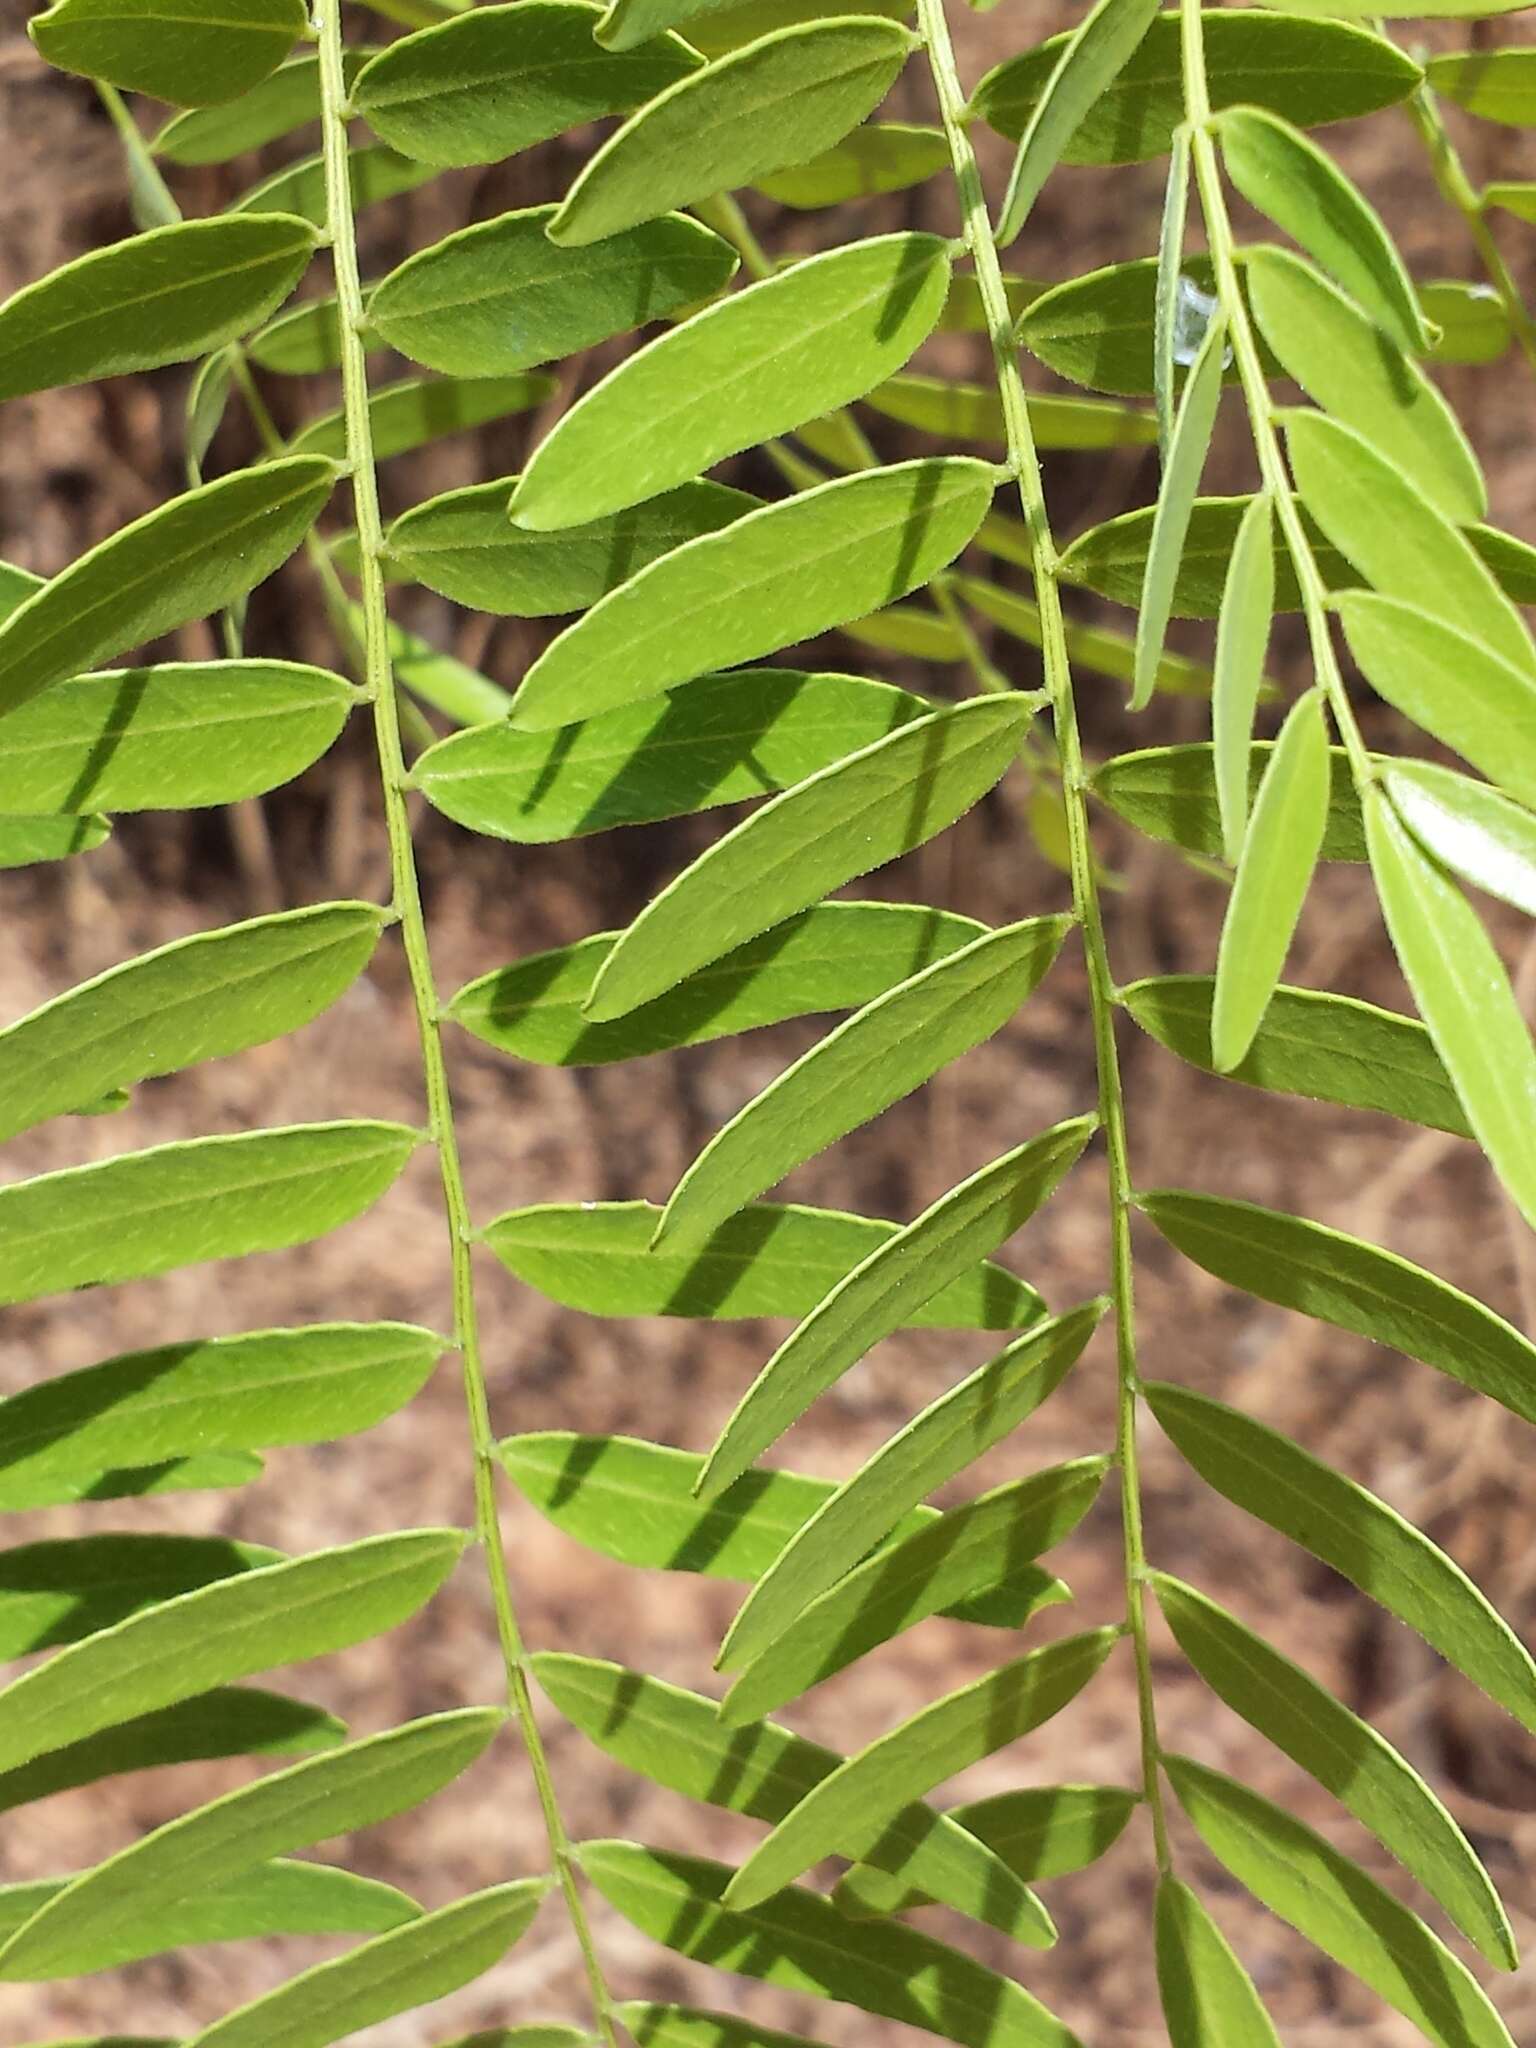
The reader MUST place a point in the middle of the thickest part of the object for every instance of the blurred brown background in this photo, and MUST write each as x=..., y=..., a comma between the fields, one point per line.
x=76, y=464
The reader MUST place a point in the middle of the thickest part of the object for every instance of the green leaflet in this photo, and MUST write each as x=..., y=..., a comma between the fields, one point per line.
x=1349, y=368
x=832, y=957
x=464, y=546
x=974, y=412
x=16, y=586
x=182, y=1204
x=310, y=1802
x=282, y=1614
x=964, y=312
x=1112, y=559
x=734, y=23
x=1377, y=516
x=196, y=999
x=1286, y=176
x=500, y=296
x=288, y=98
x=882, y=156
x=1041, y=1833
x=1468, y=827
x=185, y=559
x=1453, y=686
x=775, y=577
x=1242, y=640
x=1279, y=857
x=1091, y=57
x=1347, y=1914
x=485, y=85
x=838, y=824
x=987, y=1542
x=878, y=1296
x=1170, y=794
x=803, y=1943
x=410, y=1966
x=229, y=1721
x=638, y=1502
x=1329, y=1047
x=274, y=1898
x=162, y=297
x=1207, y=1996
x=177, y=1475
x=768, y=1261
x=1312, y=72
x=1188, y=446
x=374, y=173
x=678, y=1739
x=1095, y=647
x=682, y=2026
x=1462, y=992
x=301, y=341
x=460, y=693
x=1101, y=329
x=536, y=2034
x=1167, y=287
x=194, y=54
x=1359, y=1535
x=1354, y=1285
x=1496, y=85
x=174, y=736
x=418, y=410
x=26, y=840
x=207, y=402
x=1473, y=325
x=775, y=102
x=873, y=1059
x=1454, y=10
x=242, y=1393
x=57, y=1592
x=873, y=1790
x=1343, y=1753
x=907, y=629
x=751, y=366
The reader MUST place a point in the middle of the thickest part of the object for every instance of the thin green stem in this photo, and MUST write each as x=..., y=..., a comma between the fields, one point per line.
x=379, y=682
x=1024, y=462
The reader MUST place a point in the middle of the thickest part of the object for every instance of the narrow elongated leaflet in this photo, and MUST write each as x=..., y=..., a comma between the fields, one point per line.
x=1091, y=57
x=186, y=558
x=163, y=297
x=683, y=2026
x=627, y=23
x=172, y=737
x=216, y=1394
x=1452, y=685
x=1242, y=640
x=178, y=1205
x=463, y=545
x=193, y=55
x=287, y=99
x=769, y=1261
x=1452, y=10
x=964, y=1226
x=499, y=296
x=1092, y=647
x=1496, y=85
x=394, y=1973
x=838, y=824
x=56, y=1592
x=1170, y=794
x=638, y=1502
x=778, y=576
x=985, y=1542
x=832, y=957
x=755, y=364
x=1329, y=1047
x=373, y=171
x=873, y=1790
x=1107, y=329
x=881, y=156
x=1207, y=1996
x=1377, y=516
x=1187, y=448
x=176, y=1475
x=419, y=410
x=1463, y=994
x=1167, y=291
x=775, y=102
x=1307, y=71
x=802, y=1943
x=678, y=1739
x=1468, y=827
x=1354, y=1285
x=282, y=1614
x=720, y=740
x=459, y=692
x=488, y=84
x=1333, y=1903
x=1280, y=853
x=16, y=586
x=1470, y=323
x=1344, y=363
x=333, y=1794
x=26, y=840
x=1286, y=176
x=1344, y=1753
x=877, y=1056
x=193, y=1000
x=1356, y=1533
x=947, y=1436
x=974, y=412
x=301, y=341
x=1112, y=559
